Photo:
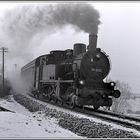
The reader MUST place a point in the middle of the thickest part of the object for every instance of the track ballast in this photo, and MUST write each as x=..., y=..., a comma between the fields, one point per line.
x=124, y=120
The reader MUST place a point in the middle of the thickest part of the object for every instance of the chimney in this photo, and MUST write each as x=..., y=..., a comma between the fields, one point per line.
x=92, y=42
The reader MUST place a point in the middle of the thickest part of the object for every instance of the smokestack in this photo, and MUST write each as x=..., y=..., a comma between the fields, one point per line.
x=92, y=42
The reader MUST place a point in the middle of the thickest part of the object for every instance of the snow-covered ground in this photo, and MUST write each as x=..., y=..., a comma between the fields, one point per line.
x=135, y=105
x=24, y=124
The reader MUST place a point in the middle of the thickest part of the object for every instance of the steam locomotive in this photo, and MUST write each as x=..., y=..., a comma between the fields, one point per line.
x=73, y=76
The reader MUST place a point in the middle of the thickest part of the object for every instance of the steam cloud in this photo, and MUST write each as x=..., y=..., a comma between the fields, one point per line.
x=31, y=19
x=22, y=24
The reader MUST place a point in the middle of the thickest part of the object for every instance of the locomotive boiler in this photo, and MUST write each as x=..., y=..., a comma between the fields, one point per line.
x=73, y=76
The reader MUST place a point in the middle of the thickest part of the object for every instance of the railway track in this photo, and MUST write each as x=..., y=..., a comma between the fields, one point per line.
x=127, y=121
x=4, y=109
x=120, y=119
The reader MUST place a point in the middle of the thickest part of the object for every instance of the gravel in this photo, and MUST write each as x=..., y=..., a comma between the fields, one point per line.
x=80, y=126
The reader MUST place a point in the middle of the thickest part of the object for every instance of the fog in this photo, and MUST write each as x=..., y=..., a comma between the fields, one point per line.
x=118, y=36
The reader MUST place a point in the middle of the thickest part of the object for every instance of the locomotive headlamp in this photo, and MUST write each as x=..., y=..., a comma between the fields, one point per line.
x=112, y=84
x=98, y=55
x=82, y=82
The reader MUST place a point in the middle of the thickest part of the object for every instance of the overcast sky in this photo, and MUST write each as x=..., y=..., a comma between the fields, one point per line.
x=118, y=36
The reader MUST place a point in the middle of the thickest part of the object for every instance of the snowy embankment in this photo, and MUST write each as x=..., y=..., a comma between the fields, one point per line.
x=134, y=106
x=24, y=124
x=80, y=124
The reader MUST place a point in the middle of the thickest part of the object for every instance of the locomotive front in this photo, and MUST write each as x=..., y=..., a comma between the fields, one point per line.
x=94, y=67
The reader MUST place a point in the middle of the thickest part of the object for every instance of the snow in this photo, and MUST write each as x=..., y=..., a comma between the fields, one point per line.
x=133, y=109
x=17, y=125
x=134, y=104
x=24, y=124
x=80, y=115
x=12, y=105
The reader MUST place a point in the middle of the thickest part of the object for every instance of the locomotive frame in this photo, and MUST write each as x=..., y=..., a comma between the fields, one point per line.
x=71, y=76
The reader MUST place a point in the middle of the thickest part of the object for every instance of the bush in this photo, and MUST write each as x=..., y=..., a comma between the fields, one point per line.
x=120, y=104
x=7, y=88
x=129, y=111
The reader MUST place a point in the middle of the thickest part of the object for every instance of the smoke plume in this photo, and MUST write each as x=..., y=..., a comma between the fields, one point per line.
x=31, y=19
x=22, y=24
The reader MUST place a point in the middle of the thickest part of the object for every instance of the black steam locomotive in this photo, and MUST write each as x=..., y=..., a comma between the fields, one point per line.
x=74, y=77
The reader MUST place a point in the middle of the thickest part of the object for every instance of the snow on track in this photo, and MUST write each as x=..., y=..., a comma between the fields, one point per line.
x=25, y=124
x=81, y=115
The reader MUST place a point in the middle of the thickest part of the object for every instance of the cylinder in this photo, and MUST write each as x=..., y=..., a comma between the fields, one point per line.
x=79, y=48
x=92, y=42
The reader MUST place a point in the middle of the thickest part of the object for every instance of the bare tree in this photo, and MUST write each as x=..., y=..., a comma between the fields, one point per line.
x=120, y=105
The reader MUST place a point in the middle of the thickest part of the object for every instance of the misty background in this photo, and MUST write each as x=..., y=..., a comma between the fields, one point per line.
x=29, y=30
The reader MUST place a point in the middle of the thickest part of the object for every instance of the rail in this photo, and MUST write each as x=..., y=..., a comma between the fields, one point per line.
x=4, y=109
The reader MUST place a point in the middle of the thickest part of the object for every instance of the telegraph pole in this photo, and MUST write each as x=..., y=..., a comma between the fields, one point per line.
x=15, y=66
x=3, y=50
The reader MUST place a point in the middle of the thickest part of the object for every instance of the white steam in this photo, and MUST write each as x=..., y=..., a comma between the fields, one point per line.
x=22, y=24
